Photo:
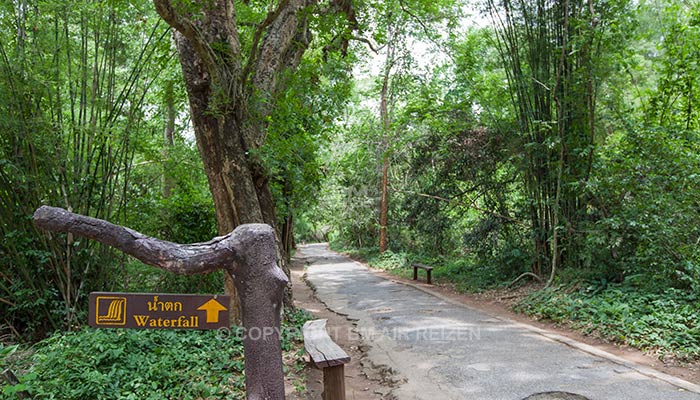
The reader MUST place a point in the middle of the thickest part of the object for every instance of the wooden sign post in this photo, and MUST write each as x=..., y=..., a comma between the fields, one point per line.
x=248, y=254
x=157, y=311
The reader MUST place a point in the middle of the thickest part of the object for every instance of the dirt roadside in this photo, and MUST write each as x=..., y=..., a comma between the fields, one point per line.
x=363, y=380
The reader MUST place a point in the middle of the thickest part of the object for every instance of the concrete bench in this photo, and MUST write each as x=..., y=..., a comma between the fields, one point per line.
x=327, y=356
x=428, y=269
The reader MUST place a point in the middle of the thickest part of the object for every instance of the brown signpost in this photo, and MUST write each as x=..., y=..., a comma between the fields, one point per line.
x=158, y=311
x=248, y=255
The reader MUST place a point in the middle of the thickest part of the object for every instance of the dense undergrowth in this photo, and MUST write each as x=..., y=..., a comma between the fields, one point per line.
x=139, y=364
x=463, y=273
x=665, y=322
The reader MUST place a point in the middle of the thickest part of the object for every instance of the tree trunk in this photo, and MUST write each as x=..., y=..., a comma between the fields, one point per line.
x=384, y=213
x=168, y=137
x=21, y=28
x=384, y=151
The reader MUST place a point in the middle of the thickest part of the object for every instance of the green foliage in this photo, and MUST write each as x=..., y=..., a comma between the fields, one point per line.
x=350, y=193
x=301, y=123
x=555, y=56
x=75, y=80
x=185, y=215
x=563, y=136
x=675, y=103
x=648, y=226
x=81, y=129
x=293, y=322
x=571, y=127
x=138, y=364
x=469, y=275
x=133, y=364
x=134, y=276
x=389, y=260
x=311, y=98
x=666, y=323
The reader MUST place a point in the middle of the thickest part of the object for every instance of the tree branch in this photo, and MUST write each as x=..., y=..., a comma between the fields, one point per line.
x=211, y=28
x=282, y=45
x=369, y=43
x=185, y=26
x=342, y=39
x=180, y=259
x=283, y=29
x=524, y=275
x=271, y=17
x=426, y=30
x=471, y=204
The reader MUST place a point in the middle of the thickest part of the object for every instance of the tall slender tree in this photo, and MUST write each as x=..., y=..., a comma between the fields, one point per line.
x=550, y=50
x=401, y=25
x=74, y=79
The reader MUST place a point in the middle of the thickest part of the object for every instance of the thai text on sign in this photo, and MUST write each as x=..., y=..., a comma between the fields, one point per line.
x=158, y=311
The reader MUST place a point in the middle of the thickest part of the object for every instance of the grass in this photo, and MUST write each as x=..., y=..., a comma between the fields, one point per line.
x=139, y=364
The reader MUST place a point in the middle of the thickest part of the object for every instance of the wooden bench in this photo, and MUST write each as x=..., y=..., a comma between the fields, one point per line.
x=327, y=356
x=428, y=269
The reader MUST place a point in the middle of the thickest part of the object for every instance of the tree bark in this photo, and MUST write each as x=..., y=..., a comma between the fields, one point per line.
x=384, y=212
x=247, y=254
x=22, y=8
x=230, y=102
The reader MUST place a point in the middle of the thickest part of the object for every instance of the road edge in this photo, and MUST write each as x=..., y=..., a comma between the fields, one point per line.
x=586, y=348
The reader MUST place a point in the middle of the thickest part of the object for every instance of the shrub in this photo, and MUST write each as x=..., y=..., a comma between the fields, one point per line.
x=138, y=364
x=666, y=322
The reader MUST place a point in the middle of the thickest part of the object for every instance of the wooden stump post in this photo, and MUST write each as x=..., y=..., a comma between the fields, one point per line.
x=248, y=254
x=334, y=383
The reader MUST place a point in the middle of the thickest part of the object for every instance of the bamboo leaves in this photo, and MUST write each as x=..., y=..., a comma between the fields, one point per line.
x=551, y=50
x=77, y=83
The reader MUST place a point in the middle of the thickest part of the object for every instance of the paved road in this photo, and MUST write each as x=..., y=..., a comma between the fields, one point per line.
x=447, y=351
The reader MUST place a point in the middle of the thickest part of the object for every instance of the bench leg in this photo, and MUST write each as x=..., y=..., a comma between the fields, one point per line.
x=334, y=383
x=415, y=273
x=429, y=271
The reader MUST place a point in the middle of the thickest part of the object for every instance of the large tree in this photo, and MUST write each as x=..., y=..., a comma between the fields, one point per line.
x=233, y=69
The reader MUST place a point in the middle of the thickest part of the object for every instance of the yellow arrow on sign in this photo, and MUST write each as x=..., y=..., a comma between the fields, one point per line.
x=212, y=307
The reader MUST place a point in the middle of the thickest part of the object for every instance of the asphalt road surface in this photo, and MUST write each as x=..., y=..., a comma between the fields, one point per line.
x=442, y=350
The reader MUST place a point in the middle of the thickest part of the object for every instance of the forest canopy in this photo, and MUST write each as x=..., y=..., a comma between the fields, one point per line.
x=554, y=141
